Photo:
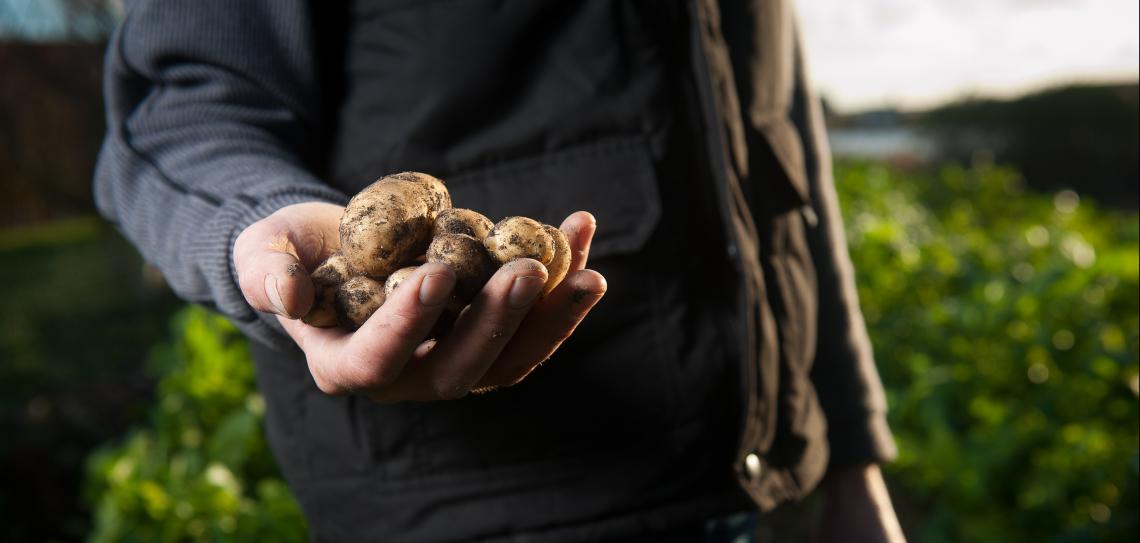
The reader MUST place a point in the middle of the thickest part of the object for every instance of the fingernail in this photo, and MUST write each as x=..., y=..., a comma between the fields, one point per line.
x=434, y=289
x=275, y=296
x=524, y=291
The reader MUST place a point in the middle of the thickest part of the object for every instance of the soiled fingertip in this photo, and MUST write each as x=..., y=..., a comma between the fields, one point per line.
x=273, y=294
x=425, y=348
x=526, y=267
x=588, y=286
x=435, y=288
x=591, y=280
x=580, y=219
x=525, y=290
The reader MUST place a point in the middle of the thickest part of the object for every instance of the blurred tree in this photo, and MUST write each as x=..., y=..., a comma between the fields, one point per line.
x=58, y=20
x=51, y=123
x=1083, y=137
x=90, y=19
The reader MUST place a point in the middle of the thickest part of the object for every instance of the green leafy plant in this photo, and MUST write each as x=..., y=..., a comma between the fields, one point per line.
x=200, y=469
x=1005, y=326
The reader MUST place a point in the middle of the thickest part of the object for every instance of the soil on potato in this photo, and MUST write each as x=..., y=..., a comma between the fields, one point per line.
x=359, y=296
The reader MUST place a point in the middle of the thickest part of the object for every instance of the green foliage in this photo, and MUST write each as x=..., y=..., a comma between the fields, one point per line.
x=200, y=470
x=1005, y=325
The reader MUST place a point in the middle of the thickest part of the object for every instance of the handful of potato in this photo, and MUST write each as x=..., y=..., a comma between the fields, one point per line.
x=406, y=219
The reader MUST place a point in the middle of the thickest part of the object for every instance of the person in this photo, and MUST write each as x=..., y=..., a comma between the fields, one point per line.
x=728, y=368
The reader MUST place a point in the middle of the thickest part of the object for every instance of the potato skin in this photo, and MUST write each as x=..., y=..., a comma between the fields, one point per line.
x=461, y=221
x=396, y=278
x=519, y=237
x=327, y=278
x=560, y=264
x=389, y=222
x=437, y=196
x=466, y=256
x=404, y=220
x=357, y=299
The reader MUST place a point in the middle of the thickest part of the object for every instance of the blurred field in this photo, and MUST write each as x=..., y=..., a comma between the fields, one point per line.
x=1005, y=325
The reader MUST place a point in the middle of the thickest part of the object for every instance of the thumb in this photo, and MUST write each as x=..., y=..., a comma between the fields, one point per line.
x=273, y=257
x=270, y=273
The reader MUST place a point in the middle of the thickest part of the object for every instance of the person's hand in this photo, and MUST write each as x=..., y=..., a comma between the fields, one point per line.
x=497, y=341
x=857, y=508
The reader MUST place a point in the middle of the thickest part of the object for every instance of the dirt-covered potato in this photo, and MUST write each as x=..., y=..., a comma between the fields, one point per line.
x=438, y=197
x=464, y=255
x=357, y=299
x=560, y=263
x=327, y=278
x=519, y=237
x=404, y=220
x=461, y=221
x=396, y=278
x=389, y=222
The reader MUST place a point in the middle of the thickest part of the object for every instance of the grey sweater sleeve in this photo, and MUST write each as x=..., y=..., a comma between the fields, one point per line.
x=844, y=372
x=212, y=111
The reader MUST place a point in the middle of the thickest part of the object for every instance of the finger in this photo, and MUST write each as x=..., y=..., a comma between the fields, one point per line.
x=273, y=256
x=314, y=230
x=579, y=228
x=397, y=394
x=270, y=273
x=377, y=352
x=547, y=326
x=310, y=337
x=320, y=346
x=458, y=361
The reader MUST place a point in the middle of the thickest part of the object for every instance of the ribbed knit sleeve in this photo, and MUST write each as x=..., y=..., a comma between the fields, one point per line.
x=213, y=112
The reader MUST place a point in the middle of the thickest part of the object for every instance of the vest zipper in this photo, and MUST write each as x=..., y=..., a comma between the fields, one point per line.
x=716, y=153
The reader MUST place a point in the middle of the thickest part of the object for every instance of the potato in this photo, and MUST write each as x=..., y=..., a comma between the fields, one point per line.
x=519, y=237
x=396, y=278
x=389, y=222
x=466, y=256
x=357, y=299
x=560, y=264
x=461, y=221
x=404, y=220
x=438, y=197
x=450, y=312
x=327, y=278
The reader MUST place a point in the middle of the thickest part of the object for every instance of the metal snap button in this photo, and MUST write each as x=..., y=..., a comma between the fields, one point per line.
x=752, y=466
x=810, y=217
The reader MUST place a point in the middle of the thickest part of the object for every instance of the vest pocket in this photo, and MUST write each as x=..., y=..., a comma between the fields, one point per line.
x=612, y=179
x=609, y=386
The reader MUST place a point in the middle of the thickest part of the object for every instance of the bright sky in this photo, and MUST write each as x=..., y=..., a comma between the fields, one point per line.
x=909, y=53
x=915, y=53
